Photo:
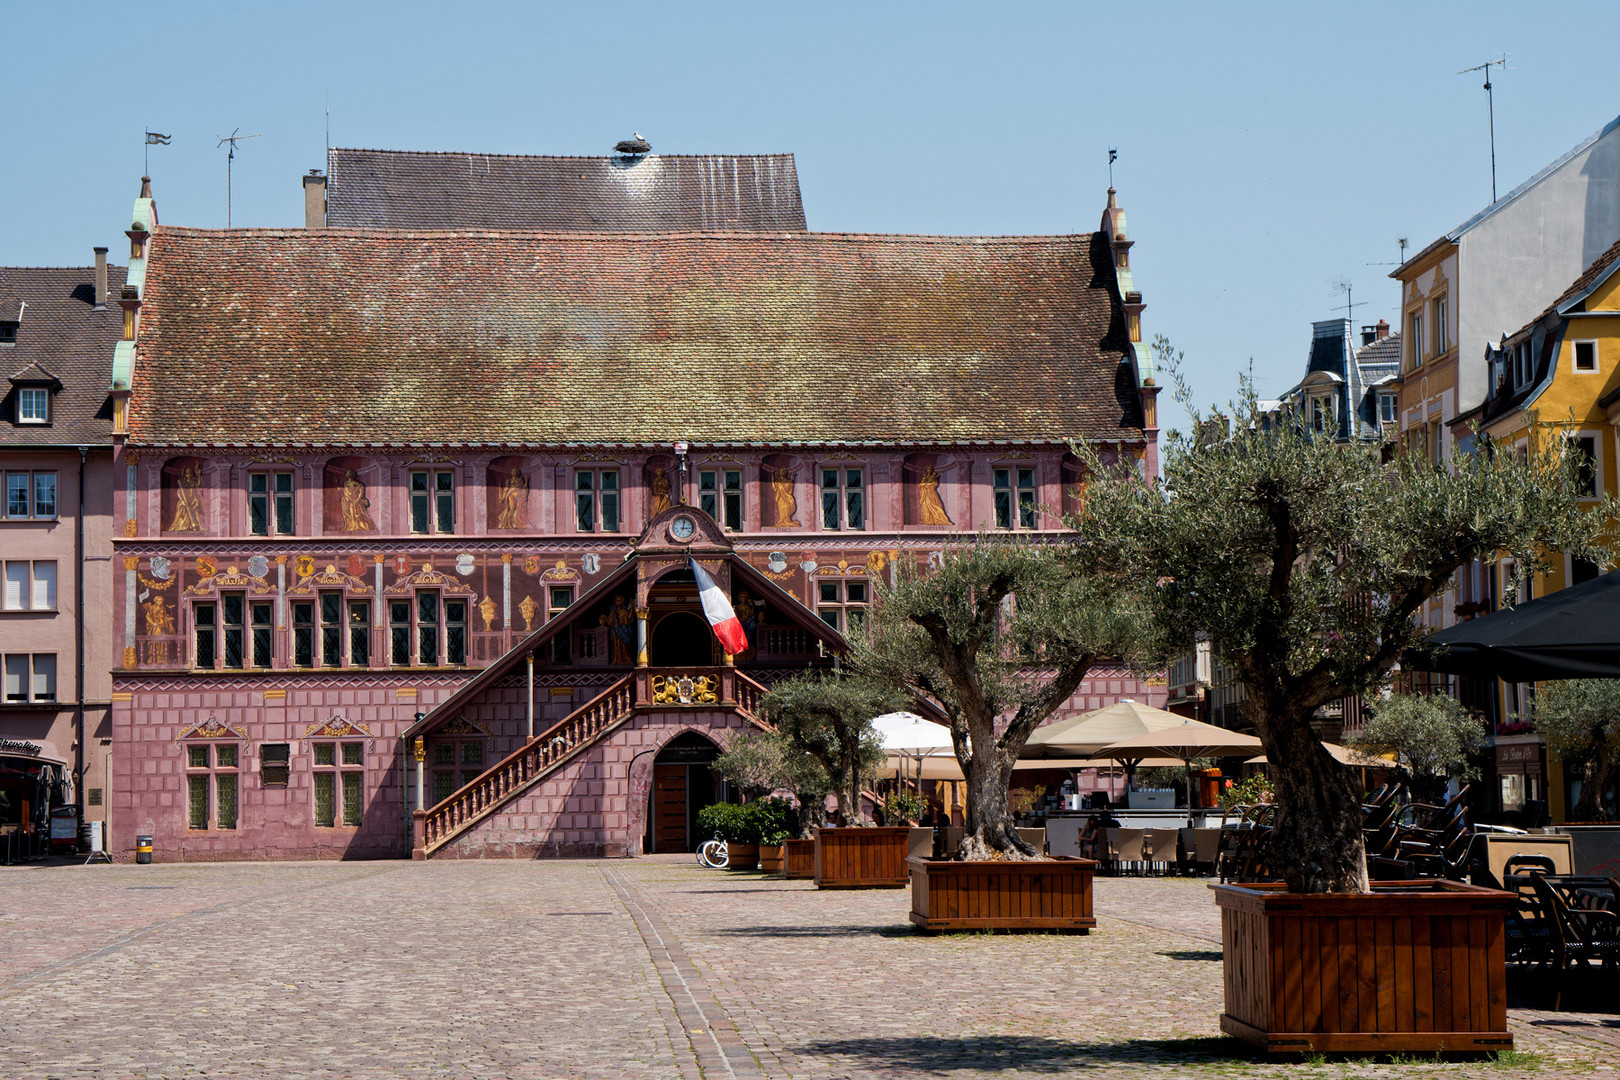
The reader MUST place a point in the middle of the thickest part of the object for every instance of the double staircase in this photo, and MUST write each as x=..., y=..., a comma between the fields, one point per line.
x=641, y=690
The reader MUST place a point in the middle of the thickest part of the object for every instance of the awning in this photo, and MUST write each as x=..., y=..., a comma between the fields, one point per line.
x=30, y=750
x=1572, y=634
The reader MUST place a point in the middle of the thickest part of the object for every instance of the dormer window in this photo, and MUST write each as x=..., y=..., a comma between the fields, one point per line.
x=8, y=331
x=33, y=405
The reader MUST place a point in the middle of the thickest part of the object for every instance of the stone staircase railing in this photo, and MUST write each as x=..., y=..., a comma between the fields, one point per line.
x=521, y=770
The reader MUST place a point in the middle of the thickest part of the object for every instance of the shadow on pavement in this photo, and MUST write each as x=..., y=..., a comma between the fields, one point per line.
x=1192, y=954
x=1029, y=1054
x=856, y=930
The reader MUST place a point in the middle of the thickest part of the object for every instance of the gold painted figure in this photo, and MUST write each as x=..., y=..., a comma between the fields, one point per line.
x=527, y=609
x=787, y=507
x=356, y=507
x=929, y=505
x=621, y=630
x=188, y=501
x=486, y=608
x=660, y=492
x=159, y=619
x=514, y=497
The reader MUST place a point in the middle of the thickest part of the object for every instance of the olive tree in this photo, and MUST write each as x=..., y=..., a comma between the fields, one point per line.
x=827, y=715
x=1581, y=720
x=1307, y=563
x=1433, y=735
x=760, y=762
x=998, y=635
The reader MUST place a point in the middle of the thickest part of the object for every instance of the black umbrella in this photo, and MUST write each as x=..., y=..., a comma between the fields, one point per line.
x=1572, y=634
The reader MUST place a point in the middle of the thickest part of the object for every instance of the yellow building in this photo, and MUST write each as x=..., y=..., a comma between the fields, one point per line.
x=1562, y=369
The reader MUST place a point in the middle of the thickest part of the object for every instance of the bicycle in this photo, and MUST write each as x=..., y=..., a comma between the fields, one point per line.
x=712, y=855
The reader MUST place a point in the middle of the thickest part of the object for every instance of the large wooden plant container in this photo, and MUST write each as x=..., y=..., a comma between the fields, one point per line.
x=741, y=855
x=1034, y=894
x=770, y=858
x=856, y=858
x=1411, y=967
x=799, y=858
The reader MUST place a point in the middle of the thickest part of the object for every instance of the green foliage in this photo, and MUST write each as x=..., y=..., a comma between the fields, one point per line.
x=728, y=821
x=772, y=820
x=1431, y=734
x=902, y=806
x=1001, y=630
x=1581, y=720
x=1023, y=801
x=1249, y=791
x=1305, y=562
x=1579, y=716
x=753, y=761
x=828, y=717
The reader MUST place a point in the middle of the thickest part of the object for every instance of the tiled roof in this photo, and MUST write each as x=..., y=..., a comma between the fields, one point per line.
x=1588, y=280
x=342, y=336
x=61, y=334
x=1385, y=351
x=392, y=189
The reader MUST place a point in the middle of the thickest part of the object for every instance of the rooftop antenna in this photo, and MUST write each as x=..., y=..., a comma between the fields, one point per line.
x=1113, y=155
x=1401, y=240
x=1490, y=103
x=233, y=138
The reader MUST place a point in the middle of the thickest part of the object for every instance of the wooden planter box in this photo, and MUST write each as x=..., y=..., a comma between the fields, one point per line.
x=770, y=859
x=1043, y=894
x=855, y=858
x=1412, y=967
x=799, y=858
x=742, y=856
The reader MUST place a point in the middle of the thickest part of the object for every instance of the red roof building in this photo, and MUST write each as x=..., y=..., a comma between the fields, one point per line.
x=381, y=484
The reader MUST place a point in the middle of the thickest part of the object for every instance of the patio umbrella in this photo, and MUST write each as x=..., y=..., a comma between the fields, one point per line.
x=1344, y=755
x=1084, y=735
x=1572, y=634
x=907, y=737
x=1191, y=739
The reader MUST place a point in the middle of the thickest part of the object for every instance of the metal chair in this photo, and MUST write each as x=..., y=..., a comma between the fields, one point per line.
x=1580, y=934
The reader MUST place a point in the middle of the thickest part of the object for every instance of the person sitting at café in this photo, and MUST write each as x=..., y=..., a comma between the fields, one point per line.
x=1092, y=837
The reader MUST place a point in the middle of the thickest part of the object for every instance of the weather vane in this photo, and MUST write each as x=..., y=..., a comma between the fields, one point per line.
x=1113, y=155
x=152, y=139
x=233, y=138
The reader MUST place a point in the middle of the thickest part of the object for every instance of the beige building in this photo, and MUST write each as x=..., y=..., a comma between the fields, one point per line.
x=57, y=331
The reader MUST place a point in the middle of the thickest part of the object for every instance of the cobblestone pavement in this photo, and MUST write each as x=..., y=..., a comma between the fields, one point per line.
x=623, y=968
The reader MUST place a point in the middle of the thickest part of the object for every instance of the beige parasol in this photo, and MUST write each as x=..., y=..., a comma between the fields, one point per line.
x=1190, y=739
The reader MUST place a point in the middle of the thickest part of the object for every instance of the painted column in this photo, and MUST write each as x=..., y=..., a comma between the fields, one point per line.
x=506, y=592
x=641, y=637
x=130, y=562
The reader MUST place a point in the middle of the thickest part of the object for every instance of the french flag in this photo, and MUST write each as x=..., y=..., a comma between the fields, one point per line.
x=717, y=609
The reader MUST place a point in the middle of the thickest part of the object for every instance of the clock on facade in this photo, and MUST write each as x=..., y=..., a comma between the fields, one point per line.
x=682, y=528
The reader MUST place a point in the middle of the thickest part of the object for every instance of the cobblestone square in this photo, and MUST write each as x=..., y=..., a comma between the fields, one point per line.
x=621, y=968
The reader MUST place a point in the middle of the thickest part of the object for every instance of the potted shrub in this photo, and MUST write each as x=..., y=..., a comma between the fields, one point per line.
x=998, y=637
x=828, y=716
x=776, y=821
x=761, y=762
x=1306, y=562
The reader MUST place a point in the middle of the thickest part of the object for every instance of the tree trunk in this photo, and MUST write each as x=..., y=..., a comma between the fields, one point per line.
x=1316, y=843
x=1599, y=767
x=812, y=814
x=990, y=833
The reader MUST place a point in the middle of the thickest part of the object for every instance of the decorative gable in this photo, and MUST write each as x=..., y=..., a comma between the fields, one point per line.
x=210, y=728
x=338, y=727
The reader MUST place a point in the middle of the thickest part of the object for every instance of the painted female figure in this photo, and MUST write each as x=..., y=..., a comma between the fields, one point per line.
x=356, y=517
x=621, y=630
x=660, y=492
x=929, y=505
x=787, y=508
x=514, y=492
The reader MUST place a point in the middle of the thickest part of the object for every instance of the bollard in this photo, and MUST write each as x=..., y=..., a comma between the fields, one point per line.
x=143, y=849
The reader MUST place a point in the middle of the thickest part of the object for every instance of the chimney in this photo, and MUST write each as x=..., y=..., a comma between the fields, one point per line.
x=315, y=200
x=101, y=278
x=1369, y=334
x=1383, y=329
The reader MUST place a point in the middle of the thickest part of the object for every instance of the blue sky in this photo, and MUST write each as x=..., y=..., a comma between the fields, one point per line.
x=1265, y=150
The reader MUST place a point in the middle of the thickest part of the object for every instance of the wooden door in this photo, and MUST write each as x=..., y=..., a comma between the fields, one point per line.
x=669, y=809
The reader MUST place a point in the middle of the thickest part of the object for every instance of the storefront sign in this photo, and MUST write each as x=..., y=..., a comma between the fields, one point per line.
x=16, y=746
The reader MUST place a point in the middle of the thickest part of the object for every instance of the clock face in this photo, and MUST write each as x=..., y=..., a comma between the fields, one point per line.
x=682, y=528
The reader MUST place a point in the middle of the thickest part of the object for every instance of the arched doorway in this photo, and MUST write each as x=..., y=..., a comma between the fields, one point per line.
x=683, y=784
x=680, y=639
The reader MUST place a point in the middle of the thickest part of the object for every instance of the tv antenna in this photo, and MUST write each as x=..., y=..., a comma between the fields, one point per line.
x=1401, y=240
x=1346, y=286
x=233, y=138
x=1490, y=104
